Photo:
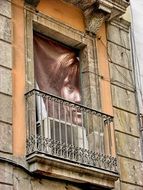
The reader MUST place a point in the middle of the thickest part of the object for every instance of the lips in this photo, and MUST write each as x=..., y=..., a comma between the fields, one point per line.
x=77, y=118
x=78, y=114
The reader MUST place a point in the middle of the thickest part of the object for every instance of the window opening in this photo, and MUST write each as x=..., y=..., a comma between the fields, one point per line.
x=64, y=128
x=57, y=72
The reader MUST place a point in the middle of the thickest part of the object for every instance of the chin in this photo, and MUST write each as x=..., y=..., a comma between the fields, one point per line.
x=78, y=120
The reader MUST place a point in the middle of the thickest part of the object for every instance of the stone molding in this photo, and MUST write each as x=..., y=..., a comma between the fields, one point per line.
x=119, y=8
x=61, y=169
x=97, y=11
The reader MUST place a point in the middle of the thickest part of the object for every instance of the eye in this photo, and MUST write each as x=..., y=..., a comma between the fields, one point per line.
x=70, y=88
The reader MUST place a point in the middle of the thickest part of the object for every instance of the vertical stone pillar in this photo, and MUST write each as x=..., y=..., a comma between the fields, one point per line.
x=6, y=181
x=5, y=77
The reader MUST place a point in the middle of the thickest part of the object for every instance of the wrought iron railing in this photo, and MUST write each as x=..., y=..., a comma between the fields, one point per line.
x=66, y=130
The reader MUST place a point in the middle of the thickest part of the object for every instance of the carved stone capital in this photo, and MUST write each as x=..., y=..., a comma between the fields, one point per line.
x=34, y=3
x=97, y=11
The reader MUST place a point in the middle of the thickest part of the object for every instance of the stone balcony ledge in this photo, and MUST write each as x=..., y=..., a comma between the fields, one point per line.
x=62, y=169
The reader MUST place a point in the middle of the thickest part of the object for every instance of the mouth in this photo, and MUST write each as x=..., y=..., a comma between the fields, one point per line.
x=77, y=117
x=77, y=113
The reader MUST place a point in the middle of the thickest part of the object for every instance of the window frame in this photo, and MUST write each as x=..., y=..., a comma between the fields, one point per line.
x=84, y=43
x=90, y=89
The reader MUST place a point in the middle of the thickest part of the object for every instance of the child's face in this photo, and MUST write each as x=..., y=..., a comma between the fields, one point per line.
x=71, y=92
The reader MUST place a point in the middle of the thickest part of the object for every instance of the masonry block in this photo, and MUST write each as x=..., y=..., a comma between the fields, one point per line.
x=5, y=29
x=5, y=54
x=27, y=182
x=126, y=122
x=6, y=108
x=123, y=98
x=6, y=187
x=5, y=137
x=5, y=8
x=128, y=146
x=130, y=187
x=121, y=76
x=118, y=36
x=131, y=171
x=6, y=174
x=5, y=81
x=122, y=56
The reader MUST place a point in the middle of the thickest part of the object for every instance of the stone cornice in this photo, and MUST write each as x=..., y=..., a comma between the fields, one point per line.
x=119, y=8
x=97, y=11
x=115, y=7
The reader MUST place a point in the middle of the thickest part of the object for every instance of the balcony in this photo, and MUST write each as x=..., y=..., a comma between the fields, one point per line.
x=69, y=137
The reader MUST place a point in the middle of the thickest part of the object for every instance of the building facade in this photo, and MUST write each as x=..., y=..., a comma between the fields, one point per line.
x=69, y=113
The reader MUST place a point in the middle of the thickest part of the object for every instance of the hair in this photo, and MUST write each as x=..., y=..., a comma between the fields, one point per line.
x=55, y=64
x=67, y=67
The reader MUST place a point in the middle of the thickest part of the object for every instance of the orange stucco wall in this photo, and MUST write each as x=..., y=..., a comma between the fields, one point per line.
x=105, y=89
x=65, y=12
x=18, y=78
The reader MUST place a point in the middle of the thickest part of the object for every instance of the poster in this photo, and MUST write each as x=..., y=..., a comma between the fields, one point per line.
x=57, y=71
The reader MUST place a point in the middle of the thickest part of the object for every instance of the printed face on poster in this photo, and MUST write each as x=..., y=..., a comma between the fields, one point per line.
x=57, y=71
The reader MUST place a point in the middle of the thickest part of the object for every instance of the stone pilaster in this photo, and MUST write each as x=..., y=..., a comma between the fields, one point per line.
x=5, y=77
x=125, y=108
x=6, y=172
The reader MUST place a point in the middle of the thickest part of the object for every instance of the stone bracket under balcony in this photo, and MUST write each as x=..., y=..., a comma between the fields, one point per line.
x=53, y=167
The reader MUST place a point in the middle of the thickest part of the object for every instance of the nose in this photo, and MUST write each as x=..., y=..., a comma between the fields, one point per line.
x=77, y=97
